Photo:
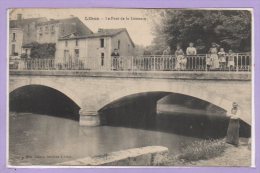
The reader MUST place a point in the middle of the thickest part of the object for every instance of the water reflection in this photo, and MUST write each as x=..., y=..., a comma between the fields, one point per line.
x=34, y=137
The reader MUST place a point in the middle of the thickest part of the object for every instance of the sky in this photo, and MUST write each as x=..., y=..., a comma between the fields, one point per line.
x=138, y=24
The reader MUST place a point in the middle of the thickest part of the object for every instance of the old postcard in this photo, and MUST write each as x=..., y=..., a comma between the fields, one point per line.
x=130, y=87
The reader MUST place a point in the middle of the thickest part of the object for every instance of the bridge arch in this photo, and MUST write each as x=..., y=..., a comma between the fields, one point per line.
x=199, y=93
x=56, y=86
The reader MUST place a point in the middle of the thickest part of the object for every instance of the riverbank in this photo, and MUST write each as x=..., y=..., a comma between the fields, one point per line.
x=232, y=156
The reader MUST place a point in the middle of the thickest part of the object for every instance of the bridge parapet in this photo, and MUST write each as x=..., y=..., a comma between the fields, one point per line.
x=202, y=62
x=192, y=75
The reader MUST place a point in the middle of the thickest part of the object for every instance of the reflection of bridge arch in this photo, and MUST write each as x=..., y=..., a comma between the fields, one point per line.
x=55, y=86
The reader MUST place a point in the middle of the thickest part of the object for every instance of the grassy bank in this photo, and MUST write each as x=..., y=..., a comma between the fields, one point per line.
x=198, y=150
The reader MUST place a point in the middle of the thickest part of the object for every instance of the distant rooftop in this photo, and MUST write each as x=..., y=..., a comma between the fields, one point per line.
x=101, y=33
x=22, y=22
x=80, y=28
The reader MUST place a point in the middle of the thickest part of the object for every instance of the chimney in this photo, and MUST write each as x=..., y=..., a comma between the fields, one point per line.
x=19, y=16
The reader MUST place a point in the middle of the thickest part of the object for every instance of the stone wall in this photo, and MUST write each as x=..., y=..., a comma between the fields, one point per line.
x=145, y=156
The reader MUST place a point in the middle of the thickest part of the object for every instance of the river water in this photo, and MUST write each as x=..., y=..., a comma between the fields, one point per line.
x=38, y=139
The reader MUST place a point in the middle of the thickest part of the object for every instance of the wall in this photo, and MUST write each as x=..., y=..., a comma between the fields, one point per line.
x=49, y=36
x=126, y=47
x=89, y=49
x=30, y=32
x=94, y=52
x=17, y=42
x=71, y=46
x=144, y=156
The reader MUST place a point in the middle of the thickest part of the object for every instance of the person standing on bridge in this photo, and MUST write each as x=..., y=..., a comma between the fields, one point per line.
x=231, y=60
x=115, y=59
x=180, y=59
x=166, y=61
x=233, y=127
x=213, y=51
x=222, y=58
x=167, y=51
x=191, y=50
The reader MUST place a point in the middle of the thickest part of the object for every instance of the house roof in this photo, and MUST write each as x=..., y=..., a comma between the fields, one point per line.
x=80, y=28
x=23, y=22
x=100, y=33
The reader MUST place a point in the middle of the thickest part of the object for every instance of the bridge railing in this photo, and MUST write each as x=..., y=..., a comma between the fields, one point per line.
x=201, y=62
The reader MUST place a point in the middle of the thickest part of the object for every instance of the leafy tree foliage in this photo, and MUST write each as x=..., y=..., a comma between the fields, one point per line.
x=45, y=50
x=230, y=29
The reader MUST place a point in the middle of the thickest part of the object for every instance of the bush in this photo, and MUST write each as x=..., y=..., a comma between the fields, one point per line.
x=24, y=56
x=45, y=50
x=203, y=149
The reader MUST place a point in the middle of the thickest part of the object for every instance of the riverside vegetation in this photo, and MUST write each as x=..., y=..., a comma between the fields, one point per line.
x=198, y=150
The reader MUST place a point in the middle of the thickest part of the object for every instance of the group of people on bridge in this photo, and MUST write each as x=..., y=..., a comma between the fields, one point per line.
x=217, y=59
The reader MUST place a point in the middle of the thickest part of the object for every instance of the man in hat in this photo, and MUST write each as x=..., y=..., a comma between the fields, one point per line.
x=115, y=59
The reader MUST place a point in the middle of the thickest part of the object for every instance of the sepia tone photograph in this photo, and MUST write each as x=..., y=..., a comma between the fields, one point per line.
x=130, y=87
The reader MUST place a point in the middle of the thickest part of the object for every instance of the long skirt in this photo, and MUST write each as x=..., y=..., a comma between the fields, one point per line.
x=233, y=131
x=215, y=61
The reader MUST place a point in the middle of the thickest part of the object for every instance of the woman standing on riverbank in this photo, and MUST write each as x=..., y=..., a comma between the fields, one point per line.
x=233, y=127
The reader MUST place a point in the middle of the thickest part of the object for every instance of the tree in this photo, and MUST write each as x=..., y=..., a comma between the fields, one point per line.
x=42, y=51
x=229, y=28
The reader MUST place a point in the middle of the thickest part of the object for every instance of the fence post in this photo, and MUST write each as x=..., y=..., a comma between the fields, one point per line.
x=154, y=68
x=206, y=66
x=237, y=63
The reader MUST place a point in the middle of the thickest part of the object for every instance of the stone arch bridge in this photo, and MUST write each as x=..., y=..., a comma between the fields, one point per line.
x=93, y=91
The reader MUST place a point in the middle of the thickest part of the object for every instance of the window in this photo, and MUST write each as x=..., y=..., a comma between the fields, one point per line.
x=13, y=49
x=40, y=29
x=102, y=42
x=66, y=54
x=52, y=29
x=128, y=48
x=102, y=59
x=66, y=43
x=46, y=29
x=26, y=51
x=118, y=44
x=77, y=43
x=76, y=53
x=14, y=36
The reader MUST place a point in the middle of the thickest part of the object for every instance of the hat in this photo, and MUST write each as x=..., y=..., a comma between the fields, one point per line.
x=235, y=104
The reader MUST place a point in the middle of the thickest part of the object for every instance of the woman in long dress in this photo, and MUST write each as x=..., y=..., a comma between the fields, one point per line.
x=233, y=127
x=213, y=51
x=180, y=59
